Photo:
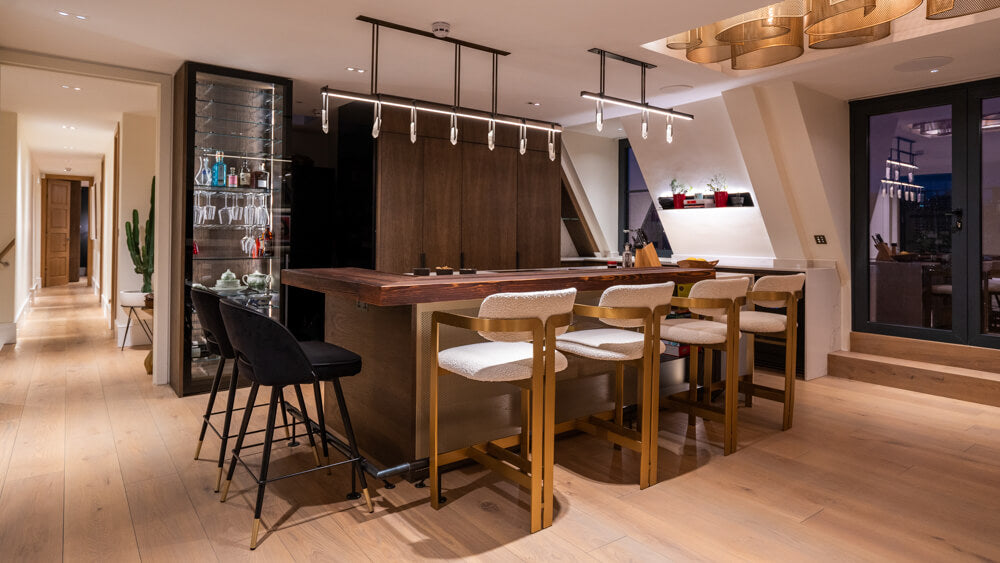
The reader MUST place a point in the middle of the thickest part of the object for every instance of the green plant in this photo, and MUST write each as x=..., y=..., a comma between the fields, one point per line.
x=142, y=256
x=678, y=188
x=717, y=183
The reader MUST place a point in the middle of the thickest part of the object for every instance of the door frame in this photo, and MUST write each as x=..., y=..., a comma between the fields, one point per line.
x=965, y=193
x=977, y=92
x=45, y=206
x=116, y=166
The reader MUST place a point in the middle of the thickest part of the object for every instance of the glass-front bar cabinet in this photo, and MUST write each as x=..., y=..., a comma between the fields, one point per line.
x=231, y=129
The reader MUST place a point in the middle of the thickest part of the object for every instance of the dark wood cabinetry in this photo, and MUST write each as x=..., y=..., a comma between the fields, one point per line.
x=438, y=204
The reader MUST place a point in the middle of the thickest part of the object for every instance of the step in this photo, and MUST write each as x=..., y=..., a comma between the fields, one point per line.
x=943, y=353
x=960, y=383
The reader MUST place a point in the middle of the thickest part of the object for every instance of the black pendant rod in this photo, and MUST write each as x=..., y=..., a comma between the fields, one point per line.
x=643, y=84
x=496, y=66
x=374, y=65
x=421, y=32
x=621, y=58
x=603, y=61
x=458, y=75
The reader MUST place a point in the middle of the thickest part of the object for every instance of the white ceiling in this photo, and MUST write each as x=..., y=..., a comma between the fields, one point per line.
x=315, y=40
x=65, y=127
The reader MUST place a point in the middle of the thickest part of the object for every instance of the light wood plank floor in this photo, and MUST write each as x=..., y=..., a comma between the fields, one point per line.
x=96, y=464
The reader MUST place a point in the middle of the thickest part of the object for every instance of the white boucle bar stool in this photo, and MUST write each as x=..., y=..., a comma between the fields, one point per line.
x=521, y=330
x=710, y=298
x=773, y=292
x=626, y=307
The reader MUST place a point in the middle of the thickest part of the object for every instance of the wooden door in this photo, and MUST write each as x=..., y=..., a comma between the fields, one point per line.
x=399, y=229
x=442, y=203
x=538, y=211
x=56, y=258
x=489, y=207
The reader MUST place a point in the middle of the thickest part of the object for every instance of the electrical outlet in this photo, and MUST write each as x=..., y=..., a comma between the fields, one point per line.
x=820, y=239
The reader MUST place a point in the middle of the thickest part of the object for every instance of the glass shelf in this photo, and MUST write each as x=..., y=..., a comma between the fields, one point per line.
x=252, y=155
x=209, y=86
x=236, y=136
x=200, y=109
x=231, y=258
x=218, y=227
x=218, y=190
x=203, y=119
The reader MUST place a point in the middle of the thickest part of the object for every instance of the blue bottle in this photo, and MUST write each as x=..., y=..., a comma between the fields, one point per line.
x=219, y=171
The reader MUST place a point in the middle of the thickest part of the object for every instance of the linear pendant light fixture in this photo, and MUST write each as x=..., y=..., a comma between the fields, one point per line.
x=601, y=98
x=453, y=111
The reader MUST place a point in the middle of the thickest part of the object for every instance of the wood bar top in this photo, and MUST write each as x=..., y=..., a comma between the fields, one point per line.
x=384, y=289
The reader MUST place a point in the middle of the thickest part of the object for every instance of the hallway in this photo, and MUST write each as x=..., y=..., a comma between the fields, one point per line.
x=95, y=464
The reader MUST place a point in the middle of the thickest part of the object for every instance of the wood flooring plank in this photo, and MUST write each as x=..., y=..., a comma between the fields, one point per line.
x=31, y=523
x=167, y=527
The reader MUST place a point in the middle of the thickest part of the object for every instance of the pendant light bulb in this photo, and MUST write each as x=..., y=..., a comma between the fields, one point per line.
x=326, y=113
x=670, y=131
x=377, y=126
x=523, y=145
x=413, y=124
x=599, y=120
x=552, y=145
x=491, y=137
x=645, y=124
x=454, y=129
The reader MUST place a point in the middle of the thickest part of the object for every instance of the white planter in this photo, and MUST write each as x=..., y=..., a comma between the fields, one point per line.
x=131, y=298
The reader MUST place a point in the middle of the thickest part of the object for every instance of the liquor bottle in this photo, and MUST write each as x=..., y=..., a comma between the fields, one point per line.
x=219, y=170
x=267, y=242
x=232, y=179
x=261, y=178
x=245, y=175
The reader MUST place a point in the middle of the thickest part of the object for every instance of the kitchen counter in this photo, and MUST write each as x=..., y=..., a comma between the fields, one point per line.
x=385, y=289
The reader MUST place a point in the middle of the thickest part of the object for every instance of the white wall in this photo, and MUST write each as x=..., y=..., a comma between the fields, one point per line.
x=8, y=221
x=701, y=148
x=595, y=160
x=138, y=166
x=28, y=184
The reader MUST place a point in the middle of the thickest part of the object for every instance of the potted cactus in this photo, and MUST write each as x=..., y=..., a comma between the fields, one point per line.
x=717, y=185
x=142, y=255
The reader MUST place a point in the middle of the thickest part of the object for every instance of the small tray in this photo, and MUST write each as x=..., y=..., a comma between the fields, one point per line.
x=698, y=264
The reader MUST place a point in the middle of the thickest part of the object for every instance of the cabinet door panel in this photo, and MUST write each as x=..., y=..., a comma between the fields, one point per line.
x=538, y=209
x=489, y=206
x=442, y=202
x=399, y=200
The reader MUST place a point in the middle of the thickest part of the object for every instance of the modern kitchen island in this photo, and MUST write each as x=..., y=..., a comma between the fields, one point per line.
x=386, y=319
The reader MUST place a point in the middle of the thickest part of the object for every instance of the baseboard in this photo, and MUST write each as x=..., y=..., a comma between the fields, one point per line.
x=136, y=337
x=8, y=333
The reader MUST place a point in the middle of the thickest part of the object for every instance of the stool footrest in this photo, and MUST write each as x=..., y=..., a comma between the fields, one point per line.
x=490, y=462
x=625, y=437
x=702, y=410
x=763, y=392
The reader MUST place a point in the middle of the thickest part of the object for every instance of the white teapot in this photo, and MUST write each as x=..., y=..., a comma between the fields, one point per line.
x=258, y=281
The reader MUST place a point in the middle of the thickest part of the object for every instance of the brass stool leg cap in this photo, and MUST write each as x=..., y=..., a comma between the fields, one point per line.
x=368, y=500
x=218, y=480
x=225, y=491
x=253, y=534
x=197, y=451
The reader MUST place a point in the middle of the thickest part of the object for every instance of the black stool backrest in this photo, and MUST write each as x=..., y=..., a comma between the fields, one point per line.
x=266, y=350
x=206, y=304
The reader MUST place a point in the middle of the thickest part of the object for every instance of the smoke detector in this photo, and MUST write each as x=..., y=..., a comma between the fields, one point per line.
x=440, y=29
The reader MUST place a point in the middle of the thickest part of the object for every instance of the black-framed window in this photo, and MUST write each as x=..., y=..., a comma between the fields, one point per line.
x=636, y=208
x=925, y=166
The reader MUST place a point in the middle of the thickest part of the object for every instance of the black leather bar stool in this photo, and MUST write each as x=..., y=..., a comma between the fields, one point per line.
x=267, y=354
x=206, y=304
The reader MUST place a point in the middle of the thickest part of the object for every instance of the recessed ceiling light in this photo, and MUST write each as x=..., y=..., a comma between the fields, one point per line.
x=77, y=88
x=62, y=13
x=923, y=63
x=81, y=17
x=536, y=104
x=674, y=88
x=935, y=70
x=355, y=69
x=65, y=86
